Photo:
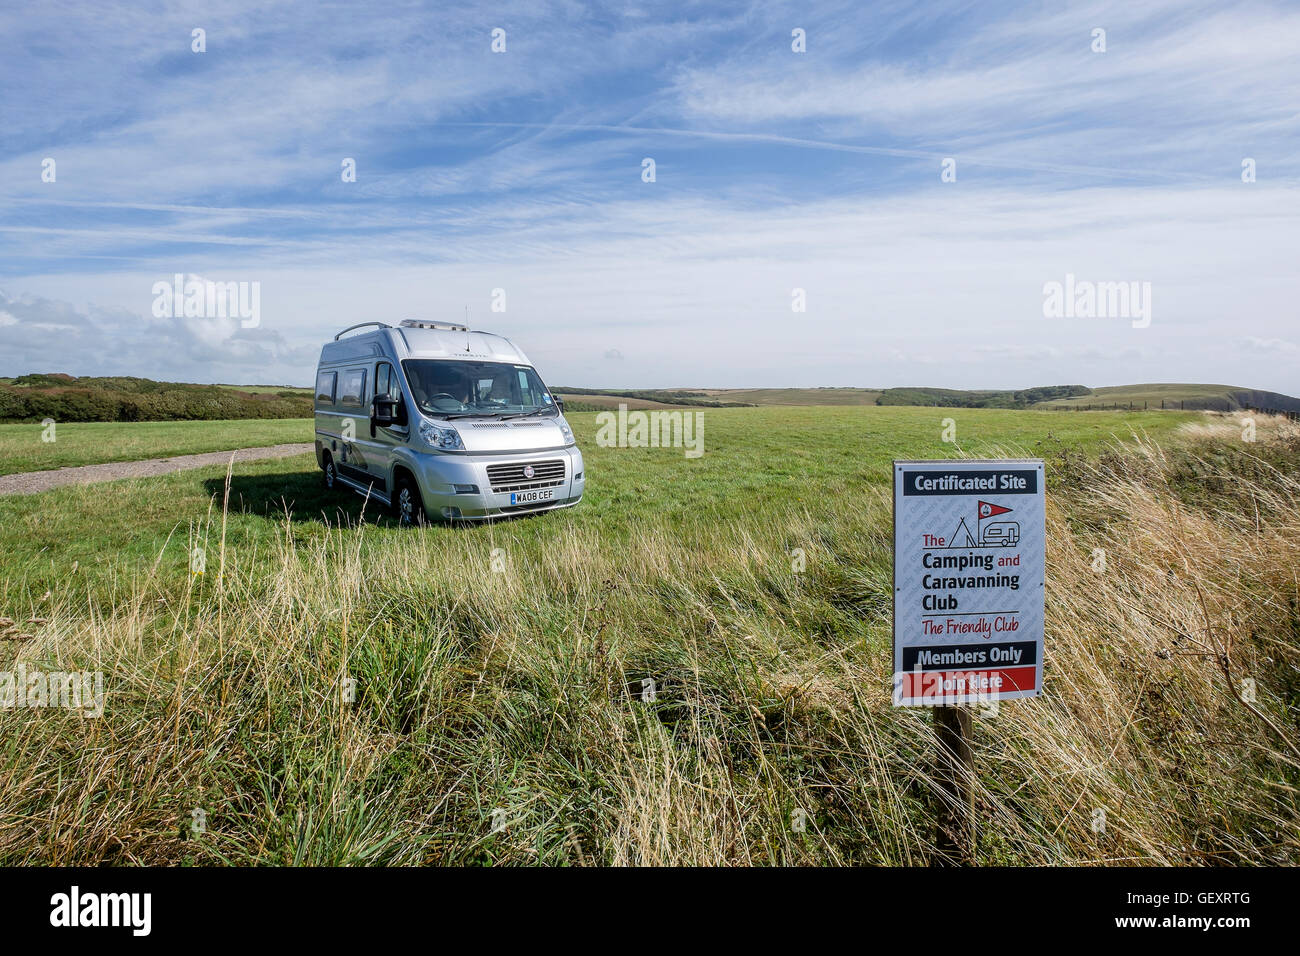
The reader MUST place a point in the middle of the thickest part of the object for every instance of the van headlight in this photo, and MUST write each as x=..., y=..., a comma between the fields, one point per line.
x=566, y=431
x=441, y=436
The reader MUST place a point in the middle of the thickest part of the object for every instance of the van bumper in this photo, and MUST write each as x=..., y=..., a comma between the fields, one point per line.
x=485, y=486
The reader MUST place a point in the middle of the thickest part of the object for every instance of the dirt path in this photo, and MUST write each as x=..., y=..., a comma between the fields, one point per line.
x=31, y=482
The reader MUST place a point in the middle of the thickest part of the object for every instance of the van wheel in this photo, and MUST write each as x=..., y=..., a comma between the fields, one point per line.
x=331, y=474
x=408, y=507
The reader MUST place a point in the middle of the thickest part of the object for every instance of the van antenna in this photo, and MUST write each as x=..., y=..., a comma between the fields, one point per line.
x=467, y=328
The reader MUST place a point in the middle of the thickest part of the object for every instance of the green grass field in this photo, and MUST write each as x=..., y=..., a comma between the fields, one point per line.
x=498, y=668
x=22, y=447
x=757, y=463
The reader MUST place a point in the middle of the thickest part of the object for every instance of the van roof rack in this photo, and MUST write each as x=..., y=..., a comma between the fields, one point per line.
x=361, y=325
x=425, y=324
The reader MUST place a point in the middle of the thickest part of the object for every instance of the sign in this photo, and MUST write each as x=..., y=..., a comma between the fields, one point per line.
x=969, y=551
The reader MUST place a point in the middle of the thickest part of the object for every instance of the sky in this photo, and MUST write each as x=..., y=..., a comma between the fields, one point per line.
x=798, y=230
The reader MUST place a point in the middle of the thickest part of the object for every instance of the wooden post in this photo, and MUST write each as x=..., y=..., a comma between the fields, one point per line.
x=955, y=832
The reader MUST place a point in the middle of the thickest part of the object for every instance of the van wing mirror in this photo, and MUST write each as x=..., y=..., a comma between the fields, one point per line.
x=383, y=412
x=559, y=403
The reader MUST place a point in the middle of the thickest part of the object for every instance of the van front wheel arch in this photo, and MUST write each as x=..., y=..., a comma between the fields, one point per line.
x=408, y=506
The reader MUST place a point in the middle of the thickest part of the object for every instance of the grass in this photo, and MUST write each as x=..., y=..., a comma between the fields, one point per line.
x=22, y=447
x=499, y=718
x=757, y=462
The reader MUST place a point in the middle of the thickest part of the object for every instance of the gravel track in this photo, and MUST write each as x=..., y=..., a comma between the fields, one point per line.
x=32, y=482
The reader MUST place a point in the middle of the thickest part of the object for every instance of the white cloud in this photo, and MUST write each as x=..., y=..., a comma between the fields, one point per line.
x=50, y=335
x=699, y=292
x=1272, y=346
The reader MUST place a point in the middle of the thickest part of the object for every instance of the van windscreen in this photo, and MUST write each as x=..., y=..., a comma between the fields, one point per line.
x=453, y=388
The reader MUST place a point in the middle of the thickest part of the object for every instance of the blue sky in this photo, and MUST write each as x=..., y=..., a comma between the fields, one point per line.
x=775, y=170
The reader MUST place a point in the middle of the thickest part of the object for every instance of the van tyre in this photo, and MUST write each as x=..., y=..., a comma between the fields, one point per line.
x=331, y=474
x=408, y=507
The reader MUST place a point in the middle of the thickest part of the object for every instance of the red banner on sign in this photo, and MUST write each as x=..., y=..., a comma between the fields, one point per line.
x=988, y=510
x=934, y=686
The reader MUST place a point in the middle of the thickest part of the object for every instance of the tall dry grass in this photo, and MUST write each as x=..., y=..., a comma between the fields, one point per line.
x=502, y=717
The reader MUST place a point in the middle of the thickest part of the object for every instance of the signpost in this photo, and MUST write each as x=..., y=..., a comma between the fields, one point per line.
x=969, y=554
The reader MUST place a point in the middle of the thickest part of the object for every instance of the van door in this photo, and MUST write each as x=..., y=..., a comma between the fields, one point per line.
x=354, y=424
x=384, y=438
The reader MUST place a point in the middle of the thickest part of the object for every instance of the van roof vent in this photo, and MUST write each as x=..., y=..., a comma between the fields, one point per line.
x=423, y=324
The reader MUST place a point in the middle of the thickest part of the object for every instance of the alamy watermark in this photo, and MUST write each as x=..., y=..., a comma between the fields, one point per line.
x=75, y=908
x=193, y=297
x=657, y=429
x=1084, y=299
x=70, y=690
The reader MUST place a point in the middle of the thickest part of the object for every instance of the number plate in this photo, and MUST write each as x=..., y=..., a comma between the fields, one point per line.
x=531, y=497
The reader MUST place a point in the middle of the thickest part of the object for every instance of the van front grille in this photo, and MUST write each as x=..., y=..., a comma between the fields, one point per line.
x=510, y=476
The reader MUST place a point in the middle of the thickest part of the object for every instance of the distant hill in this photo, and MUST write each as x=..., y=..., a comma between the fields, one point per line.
x=579, y=398
x=730, y=397
x=1173, y=395
x=272, y=389
x=611, y=397
x=597, y=402
x=958, y=398
x=797, y=396
x=66, y=398
x=1220, y=398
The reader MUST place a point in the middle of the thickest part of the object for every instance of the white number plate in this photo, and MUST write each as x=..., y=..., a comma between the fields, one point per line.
x=529, y=497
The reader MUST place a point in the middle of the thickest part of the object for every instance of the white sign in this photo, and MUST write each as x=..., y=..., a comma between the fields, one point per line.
x=969, y=552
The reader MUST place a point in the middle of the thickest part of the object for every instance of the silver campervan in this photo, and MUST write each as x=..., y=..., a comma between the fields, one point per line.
x=433, y=419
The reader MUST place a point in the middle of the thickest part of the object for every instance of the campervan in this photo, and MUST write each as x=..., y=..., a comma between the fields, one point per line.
x=434, y=420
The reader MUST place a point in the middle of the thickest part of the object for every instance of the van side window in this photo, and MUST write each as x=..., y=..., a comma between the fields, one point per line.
x=325, y=383
x=529, y=395
x=354, y=387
